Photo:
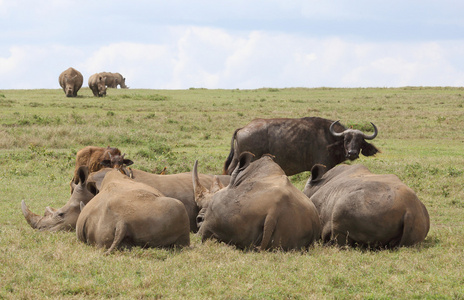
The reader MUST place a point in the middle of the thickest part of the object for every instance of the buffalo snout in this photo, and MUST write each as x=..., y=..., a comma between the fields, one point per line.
x=352, y=154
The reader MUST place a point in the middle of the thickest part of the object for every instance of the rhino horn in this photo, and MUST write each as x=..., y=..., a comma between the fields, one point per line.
x=31, y=217
x=198, y=189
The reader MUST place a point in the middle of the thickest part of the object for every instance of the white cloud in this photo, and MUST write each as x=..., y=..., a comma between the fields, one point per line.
x=193, y=56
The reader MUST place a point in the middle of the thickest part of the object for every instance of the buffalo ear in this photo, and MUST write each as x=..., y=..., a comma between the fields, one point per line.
x=106, y=163
x=317, y=171
x=128, y=162
x=369, y=149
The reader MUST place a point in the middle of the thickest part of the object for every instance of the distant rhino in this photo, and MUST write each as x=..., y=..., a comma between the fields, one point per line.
x=114, y=79
x=97, y=83
x=71, y=81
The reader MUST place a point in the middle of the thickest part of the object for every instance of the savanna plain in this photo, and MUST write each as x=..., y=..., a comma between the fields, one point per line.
x=420, y=135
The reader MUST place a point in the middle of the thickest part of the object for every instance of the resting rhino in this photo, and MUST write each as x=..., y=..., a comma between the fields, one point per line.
x=97, y=83
x=71, y=81
x=64, y=218
x=177, y=186
x=129, y=213
x=358, y=207
x=259, y=208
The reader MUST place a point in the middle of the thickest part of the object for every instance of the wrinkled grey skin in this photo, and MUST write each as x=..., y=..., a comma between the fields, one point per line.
x=97, y=83
x=359, y=208
x=71, y=81
x=114, y=79
x=260, y=208
x=178, y=186
x=126, y=213
x=298, y=144
x=64, y=218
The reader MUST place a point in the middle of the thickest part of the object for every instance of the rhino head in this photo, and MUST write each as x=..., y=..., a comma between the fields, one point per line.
x=203, y=196
x=101, y=84
x=64, y=218
x=69, y=85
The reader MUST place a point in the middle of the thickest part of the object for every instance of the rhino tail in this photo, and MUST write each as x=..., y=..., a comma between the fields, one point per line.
x=268, y=231
x=119, y=235
x=231, y=154
x=414, y=229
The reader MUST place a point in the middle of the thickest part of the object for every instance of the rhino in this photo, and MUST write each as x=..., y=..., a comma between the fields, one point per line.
x=64, y=218
x=71, y=81
x=177, y=186
x=114, y=79
x=359, y=208
x=97, y=83
x=259, y=209
x=127, y=213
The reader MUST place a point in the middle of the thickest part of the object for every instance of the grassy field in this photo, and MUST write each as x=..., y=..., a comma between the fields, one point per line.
x=420, y=136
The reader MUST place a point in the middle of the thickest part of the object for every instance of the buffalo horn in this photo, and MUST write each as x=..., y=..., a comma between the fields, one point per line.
x=332, y=131
x=371, y=137
x=31, y=217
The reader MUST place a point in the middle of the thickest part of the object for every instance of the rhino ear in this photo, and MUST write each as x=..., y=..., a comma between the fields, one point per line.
x=317, y=171
x=92, y=187
x=245, y=160
x=82, y=174
x=369, y=149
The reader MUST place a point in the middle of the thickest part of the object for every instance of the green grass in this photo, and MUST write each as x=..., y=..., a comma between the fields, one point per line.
x=420, y=136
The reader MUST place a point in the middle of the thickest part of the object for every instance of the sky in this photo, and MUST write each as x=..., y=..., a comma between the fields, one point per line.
x=240, y=44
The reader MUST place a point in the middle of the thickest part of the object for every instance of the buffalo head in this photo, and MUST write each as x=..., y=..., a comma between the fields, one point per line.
x=116, y=162
x=355, y=141
x=64, y=218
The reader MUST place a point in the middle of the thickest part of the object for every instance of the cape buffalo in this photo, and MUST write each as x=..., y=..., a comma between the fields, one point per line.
x=97, y=83
x=96, y=158
x=298, y=144
x=129, y=213
x=259, y=208
x=71, y=81
x=358, y=207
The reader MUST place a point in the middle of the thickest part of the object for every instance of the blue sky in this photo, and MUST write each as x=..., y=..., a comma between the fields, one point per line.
x=179, y=44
